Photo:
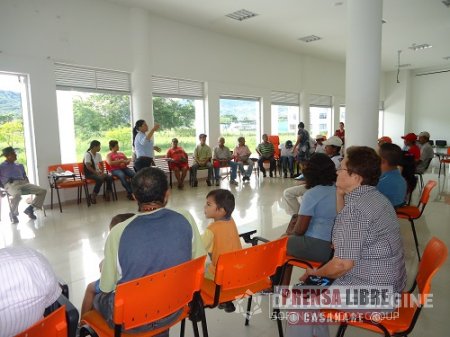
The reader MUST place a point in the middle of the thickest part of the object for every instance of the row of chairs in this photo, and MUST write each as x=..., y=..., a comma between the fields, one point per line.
x=239, y=275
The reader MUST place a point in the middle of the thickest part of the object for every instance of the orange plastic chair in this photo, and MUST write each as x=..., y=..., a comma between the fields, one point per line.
x=412, y=213
x=434, y=257
x=53, y=325
x=151, y=298
x=70, y=181
x=242, y=273
x=108, y=170
x=443, y=161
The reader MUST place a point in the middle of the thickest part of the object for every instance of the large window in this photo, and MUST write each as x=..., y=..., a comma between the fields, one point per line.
x=177, y=119
x=92, y=104
x=285, y=115
x=240, y=117
x=14, y=115
x=320, y=115
x=178, y=106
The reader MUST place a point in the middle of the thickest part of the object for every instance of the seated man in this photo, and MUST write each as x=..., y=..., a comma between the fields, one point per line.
x=241, y=155
x=178, y=162
x=202, y=158
x=426, y=152
x=333, y=147
x=287, y=158
x=391, y=182
x=222, y=158
x=411, y=146
x=15, y=182
x=144, y=244
x=266, y=152
x=28, y=285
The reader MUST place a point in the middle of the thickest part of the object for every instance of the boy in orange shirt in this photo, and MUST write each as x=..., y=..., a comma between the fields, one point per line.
x=221, y=236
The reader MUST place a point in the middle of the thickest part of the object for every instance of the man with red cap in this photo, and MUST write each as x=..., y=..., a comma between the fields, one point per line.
x=412, y=148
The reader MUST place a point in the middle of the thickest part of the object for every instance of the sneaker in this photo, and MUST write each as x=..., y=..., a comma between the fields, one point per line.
x=217, y=182
x=29, y=211
x=234, y=182
x=227, y=306
x=13, y=218
x=300, y=177
x=208, y=182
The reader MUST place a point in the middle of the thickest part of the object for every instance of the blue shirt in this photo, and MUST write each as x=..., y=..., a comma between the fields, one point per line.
x=319, y=202
x=393, y=186
x=143, y=146
x=11, y=171
x=154, y=242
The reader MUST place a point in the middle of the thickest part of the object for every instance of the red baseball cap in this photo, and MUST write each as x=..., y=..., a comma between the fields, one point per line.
x=385, y=139
x=410, y=137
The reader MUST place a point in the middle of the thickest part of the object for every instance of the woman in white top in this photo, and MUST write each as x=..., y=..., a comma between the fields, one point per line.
x=93, y=169
x=143, y=145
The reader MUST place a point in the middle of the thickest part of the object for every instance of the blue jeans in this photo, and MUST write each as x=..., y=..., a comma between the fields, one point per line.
x=122, y=174
x=233, y=165
x=287, y=162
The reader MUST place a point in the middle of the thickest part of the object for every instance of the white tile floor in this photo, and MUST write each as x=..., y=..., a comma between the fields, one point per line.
x=73, y=242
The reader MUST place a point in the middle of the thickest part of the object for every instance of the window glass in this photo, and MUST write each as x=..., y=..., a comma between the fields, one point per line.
x=240, y=117
x=178, y=118
x=285, y=121
x=85, y=116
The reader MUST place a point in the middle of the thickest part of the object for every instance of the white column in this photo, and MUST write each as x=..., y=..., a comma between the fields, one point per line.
x=304, y=110
x=363, y=67
x=141, y=76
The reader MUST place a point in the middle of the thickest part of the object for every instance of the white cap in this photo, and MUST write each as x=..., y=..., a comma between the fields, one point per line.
x=334, y=141
x=424, y=134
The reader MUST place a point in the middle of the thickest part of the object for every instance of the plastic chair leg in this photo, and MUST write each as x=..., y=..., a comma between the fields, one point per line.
x=413, y=228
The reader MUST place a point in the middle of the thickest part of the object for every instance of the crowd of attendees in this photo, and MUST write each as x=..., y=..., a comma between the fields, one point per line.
x=342, y=208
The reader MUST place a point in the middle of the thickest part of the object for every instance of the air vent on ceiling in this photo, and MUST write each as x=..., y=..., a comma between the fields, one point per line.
x=241, y=15
x=310, y=38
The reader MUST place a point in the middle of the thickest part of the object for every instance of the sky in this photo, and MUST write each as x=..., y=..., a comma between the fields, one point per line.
x=9, y=83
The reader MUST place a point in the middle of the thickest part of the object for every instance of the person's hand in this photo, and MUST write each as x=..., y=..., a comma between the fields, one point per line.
x=340, y=192
x=157, y=148
x=156, y=126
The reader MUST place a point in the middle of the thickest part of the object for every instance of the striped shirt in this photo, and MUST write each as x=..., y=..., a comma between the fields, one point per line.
x=266, y=150
x=367, y=231
x=28, y=285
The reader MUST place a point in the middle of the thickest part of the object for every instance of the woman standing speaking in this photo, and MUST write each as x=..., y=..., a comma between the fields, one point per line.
x=143, y=145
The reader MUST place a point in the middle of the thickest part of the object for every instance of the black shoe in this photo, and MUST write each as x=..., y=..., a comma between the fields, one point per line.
x=285, y=175
x=195, y=183
x=246, y=178
x=217, y=182
x=227, y=306
x=208, y=182
x=29, y=211
x=271, y=175
x=13, y=218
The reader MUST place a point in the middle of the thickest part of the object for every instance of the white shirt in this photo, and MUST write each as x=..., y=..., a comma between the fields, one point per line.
x=88, y=156
x=28, y=285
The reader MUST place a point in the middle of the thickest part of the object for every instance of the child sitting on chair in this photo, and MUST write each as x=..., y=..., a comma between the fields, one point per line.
x=221, y=236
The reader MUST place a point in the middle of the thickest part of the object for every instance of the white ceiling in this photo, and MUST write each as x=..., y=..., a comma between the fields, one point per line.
x=280, y=23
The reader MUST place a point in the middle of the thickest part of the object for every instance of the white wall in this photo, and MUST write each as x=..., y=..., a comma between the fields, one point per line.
x=101, y=34
x=430, y=105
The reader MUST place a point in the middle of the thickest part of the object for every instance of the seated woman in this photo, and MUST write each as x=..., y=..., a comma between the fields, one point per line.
x=95, y=170
x=178, y=162
x=310, y=236
x=118, y=162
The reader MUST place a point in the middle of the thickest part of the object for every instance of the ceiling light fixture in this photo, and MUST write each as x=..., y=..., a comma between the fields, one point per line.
x=404, y=65
x=310, y=38
x=241, y=15
x=422, y=46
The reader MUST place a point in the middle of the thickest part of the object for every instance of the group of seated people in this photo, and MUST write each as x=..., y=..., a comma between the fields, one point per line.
x=346, y=219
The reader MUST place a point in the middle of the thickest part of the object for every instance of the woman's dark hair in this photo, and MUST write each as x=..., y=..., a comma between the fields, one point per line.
x=150, y=185
x=137, y=125
x=112, y=143
x=223, y=199
x=93, y=144
x=319, y=170
x=365, y=162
